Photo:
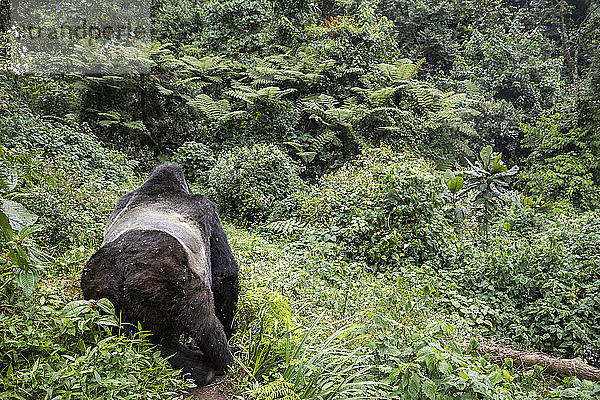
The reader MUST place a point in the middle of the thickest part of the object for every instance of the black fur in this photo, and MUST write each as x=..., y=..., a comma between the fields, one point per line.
x=148, y=273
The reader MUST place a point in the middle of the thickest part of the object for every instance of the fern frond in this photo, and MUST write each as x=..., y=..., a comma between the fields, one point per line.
x=285, y=227
x=381, y=96
x=233, y=115
x=211, y=109
x=425, y=99
x=445, y=164
x=276, y=390
x=321, y=141
x=417, y=67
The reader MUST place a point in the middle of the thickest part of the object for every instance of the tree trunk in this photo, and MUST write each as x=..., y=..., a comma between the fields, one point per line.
x=572, y=59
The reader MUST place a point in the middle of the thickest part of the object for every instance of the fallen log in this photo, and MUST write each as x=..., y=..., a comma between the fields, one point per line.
x=552, y=365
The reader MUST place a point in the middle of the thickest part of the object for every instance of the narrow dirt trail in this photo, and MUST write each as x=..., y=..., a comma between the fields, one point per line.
x=218, y=390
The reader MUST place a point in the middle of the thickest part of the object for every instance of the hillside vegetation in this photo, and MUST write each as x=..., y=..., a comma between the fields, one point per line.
x=402, y=182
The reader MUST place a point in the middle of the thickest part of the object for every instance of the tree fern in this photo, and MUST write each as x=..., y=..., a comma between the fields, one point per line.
x=321, y=141
x=211, y=109
x=323, y=109
x=402, y=71
x=252, y=96
x=201, y=72
x=289, y=70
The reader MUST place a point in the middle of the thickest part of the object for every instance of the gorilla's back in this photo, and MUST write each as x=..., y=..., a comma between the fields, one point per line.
x=161, y=217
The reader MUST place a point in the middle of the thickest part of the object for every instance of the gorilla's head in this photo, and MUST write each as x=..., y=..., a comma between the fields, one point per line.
x=166, y=178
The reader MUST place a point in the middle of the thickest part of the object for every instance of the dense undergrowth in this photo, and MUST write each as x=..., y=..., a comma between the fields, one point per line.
x=388, y=214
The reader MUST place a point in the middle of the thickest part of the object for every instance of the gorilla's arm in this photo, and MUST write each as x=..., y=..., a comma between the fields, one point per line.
x=224, y=269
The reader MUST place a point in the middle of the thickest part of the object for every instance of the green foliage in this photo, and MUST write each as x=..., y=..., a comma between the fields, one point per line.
x=47, y=351
x=298, y=364
x=325, y=80
x=405, y=113
x=383, y=210
x=357, y=40
x=73, y=208
x=487, y=180
x=234, y=26
x=176, y=21
x=17, y=223
x=64, y=142
x=81, y=175
x=431, y=364
x=537, y=286
x=430, y=29
x=400, y=347
x=246, y=182
x=195, y=158
x=564, y=162
x=511, y=66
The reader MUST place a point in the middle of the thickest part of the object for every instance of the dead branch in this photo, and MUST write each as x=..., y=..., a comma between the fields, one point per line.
x=552, y=365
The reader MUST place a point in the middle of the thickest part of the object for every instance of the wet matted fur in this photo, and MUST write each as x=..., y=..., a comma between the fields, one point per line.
x=165, y=262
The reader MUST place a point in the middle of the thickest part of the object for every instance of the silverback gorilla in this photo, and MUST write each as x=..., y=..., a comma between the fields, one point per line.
x=165, y=262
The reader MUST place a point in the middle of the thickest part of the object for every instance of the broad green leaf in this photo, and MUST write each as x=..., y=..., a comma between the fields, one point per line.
x=37, y=256
x=485, y=154
x=456, y=184
x=444, y=367
x=75, y=308
x=27, y=279
x=5, y=228
x=18, y=215
x=429, y=389
x=498, y=167
x=414, y=386
x=18, y=256
x=425, y=350
x=296, y=146
x=107, y=320
x=459, y=214
x=448, y=176
x=106, y=306
x=307, y=156
x=497, y=158
x=28, y=231
x=496, y=377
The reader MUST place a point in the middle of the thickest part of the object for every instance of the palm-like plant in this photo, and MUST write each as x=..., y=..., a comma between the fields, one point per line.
x=488, y=179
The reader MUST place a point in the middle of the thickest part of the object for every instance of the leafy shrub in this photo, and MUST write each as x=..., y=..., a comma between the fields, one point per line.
x=17, y=224
x=358, y=40
x=564, y=162
x=426, y=28
x=508, y=65
x=431, y=364
x=235, y=26
x=71, y=353
x=540, y=288
x=73, y=208
x=83, y=178
x=246, y=182
x=195, y=158
x=383, y=209
x=68, y=143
